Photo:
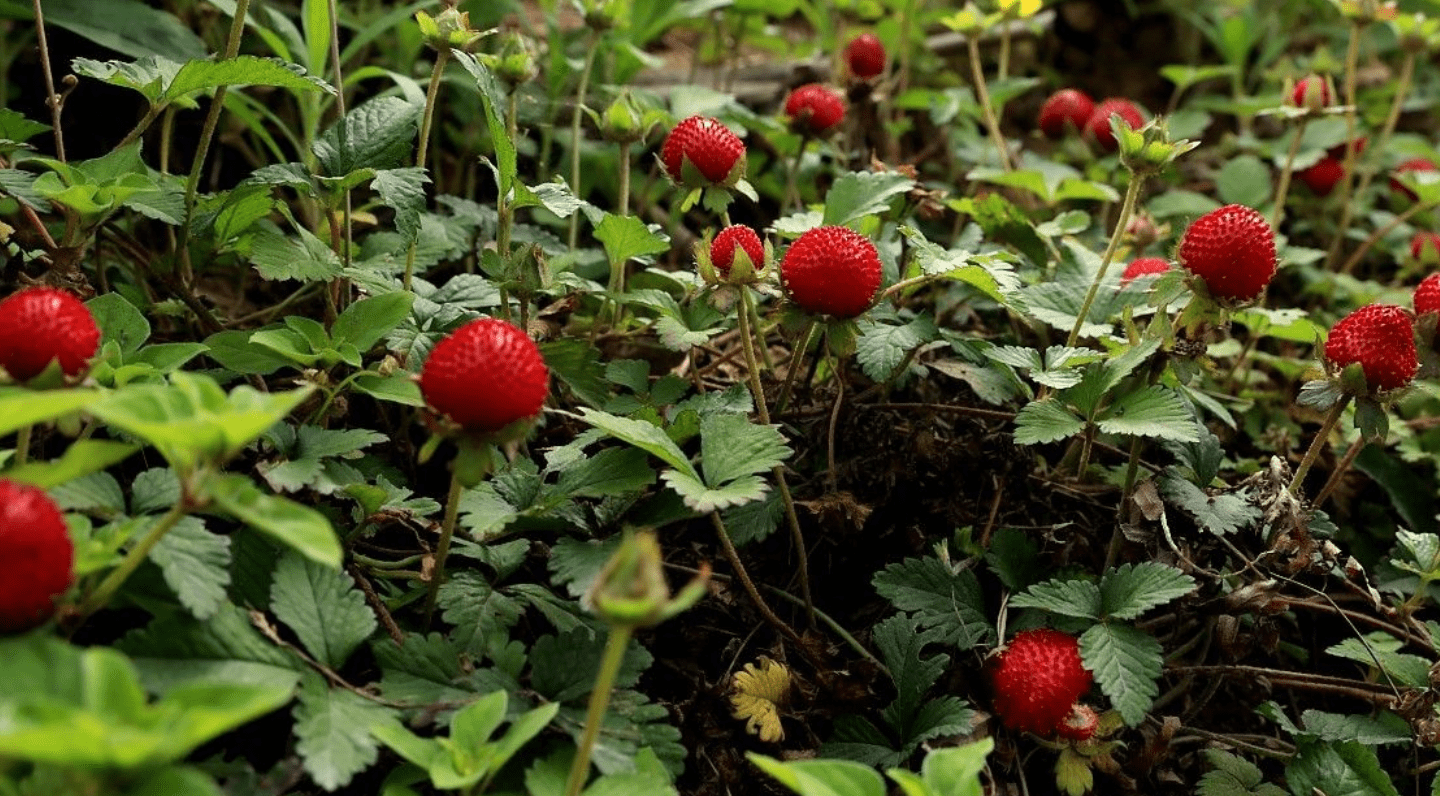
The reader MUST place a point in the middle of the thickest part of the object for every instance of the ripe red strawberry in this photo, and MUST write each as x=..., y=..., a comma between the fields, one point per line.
x=1097, y=127
x=1233, y=250
x=1068, y=108
x=715, y=152
x=39, y=324
x=1425, y=248
x=1381, y=337
x=486, y=375
x=1410, y=166
x=1037, y=680
x=1427, y=295
x=814, y=108
x=831, y=271
x=38, y=554
x=1144, y=267
x=722, y=249
x=865, y=56
x=1322, y=177
x=1311, y=93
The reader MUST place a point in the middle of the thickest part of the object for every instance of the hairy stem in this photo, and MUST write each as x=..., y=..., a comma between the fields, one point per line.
x=1316, y=445
x=575, y=119
x=983, y=95
x=442, y=550
x=422, y=149
x=1278, y=211
x=1127, y=208
x=599, y=700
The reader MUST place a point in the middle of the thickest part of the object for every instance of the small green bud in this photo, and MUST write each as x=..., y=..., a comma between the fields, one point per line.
x=622, y=121
x=631, y=591
x=516, y=63
x=450, y=30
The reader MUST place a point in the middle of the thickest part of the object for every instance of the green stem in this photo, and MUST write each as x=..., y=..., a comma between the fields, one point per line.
x=1003, y=69
x=22, y=445
x=792, y=183
x=442, y=550
x=1278, y=211
x=625, y=178
x=575, y=119
x=1321, y=438
x=797, y=358
x=1382, y=141
x=112, y=583
x=1347, y=179
x=437, y=71
x=599, y=701
x=983, y=95
x=1132, y=467
x=1132, y=192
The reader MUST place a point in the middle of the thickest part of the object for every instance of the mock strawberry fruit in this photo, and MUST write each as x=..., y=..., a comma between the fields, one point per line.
x=814, y=109
x=716, y=152
x=1427, y=295
x=1144, y=266
x=40, y=324
x=1322, y=177
x=1080, y=725
x=1233, y=250
x=1066, y=109
x=865, y=56
x=1411, y=166
x=38, y=555
x=1037, y=680
x=736, y=237
x=1097, y=127
x=1425, y=248
x=831, y=271
x=1381, y=337
x=486, y=375
x=1311, y=93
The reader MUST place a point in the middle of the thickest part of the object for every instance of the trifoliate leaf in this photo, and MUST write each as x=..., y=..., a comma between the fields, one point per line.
x=939, y=597
x=760, y=691
x=1126, y=663
x=1231, y=775
x=732, y=447
x=1073, y=774
x=900, y=644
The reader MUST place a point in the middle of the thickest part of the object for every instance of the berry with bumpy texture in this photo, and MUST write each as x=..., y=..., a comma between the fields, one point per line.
x=1037, y=680
x=1381, y=337
x=1144, y=266
x=1068, y=108
x=814, y=108
x=40, y=324
x=486, y=375
x=1311, y=93
x=831, y=271
x=1427, y=295
x=38, y=554
x=732, y=238
x=705, y=142
x=1410, y=166
x=865, y=56
x=1322, y=177
x=1233, y=250
x=1097, y=127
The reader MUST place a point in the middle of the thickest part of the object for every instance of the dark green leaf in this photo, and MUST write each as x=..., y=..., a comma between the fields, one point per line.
x=1132, y=589
x=378, y=134
x=196, y=566
x=332, y=732
x=939, y=597
x=1345, y=768
x=861, y=193
x=1127, y=663
x=323, y=607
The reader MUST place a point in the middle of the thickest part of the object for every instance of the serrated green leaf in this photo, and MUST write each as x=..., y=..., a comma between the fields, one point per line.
x=1405, y=669
x=1132, y=589
x=304, y=257
x=1046, y=420
x=332, y=731
x=403, y=190
x=1078, y=598
x=563, y=667
x=627, y=237
x=82, y=458
x=939, y=597
x=703, y=499
x=1126, y=663
x=1231, y=775
x=128, y=27
x=196, y=566
x=1152, y=411
x=881, y=347
x=298, y=527
x=1382, y=728
x=119, y=321
x=323, y=607
x=480, y=614
x=1338, y=769
x=861, y=193
x=575, y=562
x=179, y=648
x=956, y=770
x=378, y=134
x=615, y=471
x=646, y=436
x=900, y=643
x=732, y=447
x=242, y=70
x=577, y=363
x=1219, y=514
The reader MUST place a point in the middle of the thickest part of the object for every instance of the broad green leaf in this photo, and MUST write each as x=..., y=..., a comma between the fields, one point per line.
x=1078, y=598
x=703, y=499
x=178, y=648
x=1132, y=589
x=1405, y=669
x=302, y=257
x=1126, y=663
x=15, y=130
x=364, y=322
x=332, y=732
x=233, y=350
x=1044, y=421
x=119, y=321
x=80, y=459
x=1245, y=180
x=397, y=388
x=1152, y=411
x=20, y=407
x=900, y=643
x=615, y=471
x=955, y=770
x=1345, y=768
x=646, y=436
x=822, y=777
x=563, y=667
x=1232, y=775
x=196, y=566
x=321, y=604
x=126, y=26
x=242, y=70
x=577, y=364
x=378, y=134
x=298, y=527
x=171, y=780
x=861, y=193
x=881, y=348
x=940, y=597
x=1382, y=728
x=627, y=237
x=1219, y=514
x=403, y=190
x=732, y=447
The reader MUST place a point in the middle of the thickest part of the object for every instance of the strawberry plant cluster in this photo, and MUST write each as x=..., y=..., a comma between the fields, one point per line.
x=651, y=397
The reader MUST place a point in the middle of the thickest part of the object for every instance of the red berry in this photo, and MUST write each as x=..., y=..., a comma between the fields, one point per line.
x=706, y=143
x=1233, y=250
x=831, y=271
x=39, y=324
x=486, y=375
x=722, y=249
x=1311, y=93
x=1037, y=680
x=1409, y=166
x=38, y=554
x=1381, y=337
x=1065, y=109
x=1322, y=177
x=1098, y=129
x=865, y=56
x=1427, y=295
x=814, y=108
x=1080, y=725
x=1144, y=267
x=1425, y=247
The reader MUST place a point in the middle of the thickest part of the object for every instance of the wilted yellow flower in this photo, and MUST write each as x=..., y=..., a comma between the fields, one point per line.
x=759, y=693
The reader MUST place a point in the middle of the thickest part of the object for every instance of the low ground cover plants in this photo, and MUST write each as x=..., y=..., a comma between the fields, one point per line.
x=712, y=397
